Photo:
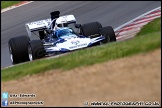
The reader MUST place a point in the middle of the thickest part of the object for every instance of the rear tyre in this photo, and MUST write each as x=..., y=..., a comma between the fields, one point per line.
x=36, y=50
x=18, y=49
x=109, y=34
x=91, y=29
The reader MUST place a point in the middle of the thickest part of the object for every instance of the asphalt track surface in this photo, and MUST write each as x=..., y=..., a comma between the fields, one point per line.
x=108, y=13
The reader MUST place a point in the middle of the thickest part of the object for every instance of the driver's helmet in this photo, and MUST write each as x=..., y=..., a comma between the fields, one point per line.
x=61, y=22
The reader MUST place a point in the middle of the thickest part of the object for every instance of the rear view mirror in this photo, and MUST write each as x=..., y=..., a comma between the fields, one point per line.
x=77, y=25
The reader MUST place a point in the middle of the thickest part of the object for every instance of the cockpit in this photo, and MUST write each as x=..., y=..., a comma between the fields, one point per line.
x=64, y=32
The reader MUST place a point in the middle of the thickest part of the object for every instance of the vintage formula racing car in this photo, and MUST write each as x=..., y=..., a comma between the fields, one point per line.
x=56, y=35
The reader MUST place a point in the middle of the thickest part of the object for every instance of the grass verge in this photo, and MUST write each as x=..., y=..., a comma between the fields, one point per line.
x=5, y=4
x=143, y=42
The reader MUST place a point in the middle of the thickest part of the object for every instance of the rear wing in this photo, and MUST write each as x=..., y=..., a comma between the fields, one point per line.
x=44, y=24
x=70, y=19
x=37, y=25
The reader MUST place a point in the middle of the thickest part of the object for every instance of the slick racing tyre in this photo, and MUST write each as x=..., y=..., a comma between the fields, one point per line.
x=109, y=34
x=91, y=29
x=18, y=49
x=36, y=49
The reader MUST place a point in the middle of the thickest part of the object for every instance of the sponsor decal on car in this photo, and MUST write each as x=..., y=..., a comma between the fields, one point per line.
x=77, y=46
x=75, y=42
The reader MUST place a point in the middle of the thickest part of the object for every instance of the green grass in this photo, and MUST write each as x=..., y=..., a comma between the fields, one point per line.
x=143, y=42
x=5, y=4
x=154, y=26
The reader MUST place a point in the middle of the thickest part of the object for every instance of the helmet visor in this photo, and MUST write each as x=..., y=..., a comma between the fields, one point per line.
x=62, y=25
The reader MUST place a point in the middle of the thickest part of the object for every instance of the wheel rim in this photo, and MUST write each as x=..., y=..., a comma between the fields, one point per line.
x=11, y=55
x=30, y=53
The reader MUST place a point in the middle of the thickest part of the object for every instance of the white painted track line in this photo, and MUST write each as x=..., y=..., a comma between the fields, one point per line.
x=16, y=5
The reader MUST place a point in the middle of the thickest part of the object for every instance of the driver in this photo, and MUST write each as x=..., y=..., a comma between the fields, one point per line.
x=57, y=24
x=60, y=23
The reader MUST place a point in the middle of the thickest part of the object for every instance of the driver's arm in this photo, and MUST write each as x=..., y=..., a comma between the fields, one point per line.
x=51, y=26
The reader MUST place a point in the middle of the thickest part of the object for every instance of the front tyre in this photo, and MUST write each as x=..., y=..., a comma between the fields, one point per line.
x=36, y=50
x=109, y=34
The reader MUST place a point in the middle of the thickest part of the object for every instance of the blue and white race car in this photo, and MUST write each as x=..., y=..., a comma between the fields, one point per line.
x=57, y=36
